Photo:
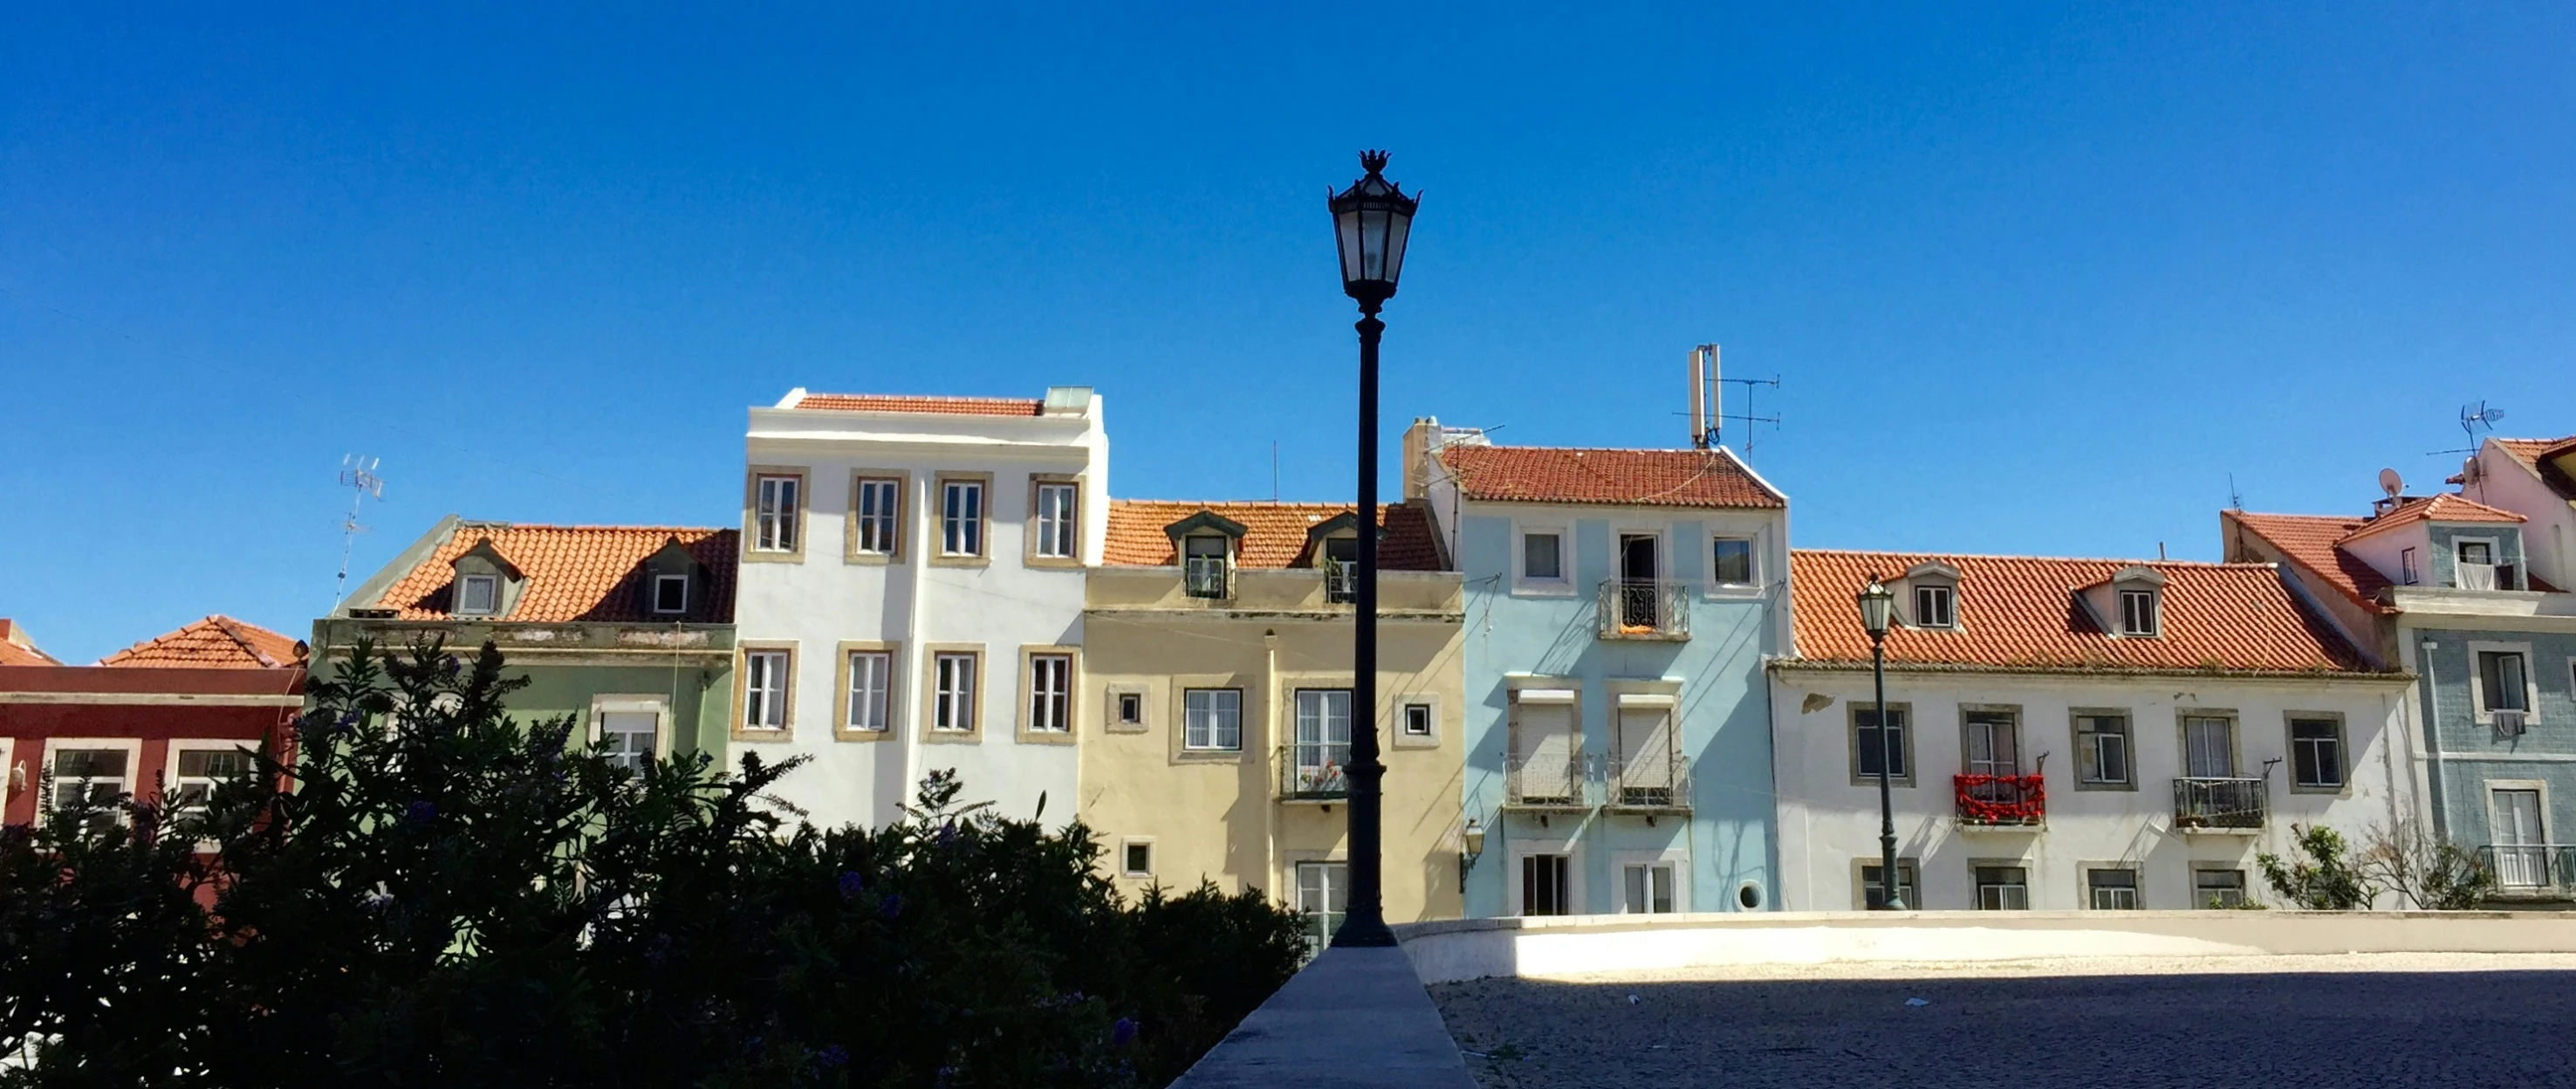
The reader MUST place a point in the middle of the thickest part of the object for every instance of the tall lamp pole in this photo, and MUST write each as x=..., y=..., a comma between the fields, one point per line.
x=1876, y=606
x=1371, y=220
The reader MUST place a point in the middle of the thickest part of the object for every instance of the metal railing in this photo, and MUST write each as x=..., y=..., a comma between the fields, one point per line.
x=1561, y=783
x=1204, y=576
x=1341, y=581
x=2001, y=799
x=2508, y=722
x=2530, y=869
x=2221, y=803
x=1314, y=772
x=1650, y=782
x=1645, y=609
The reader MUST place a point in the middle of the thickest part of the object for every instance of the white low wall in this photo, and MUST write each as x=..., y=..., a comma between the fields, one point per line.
x=1444, y=952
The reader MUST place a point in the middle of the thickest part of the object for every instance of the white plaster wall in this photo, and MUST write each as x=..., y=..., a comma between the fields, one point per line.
x=824, y=600
x=2385, y=552
x=2549, y=539
x=1827, y=821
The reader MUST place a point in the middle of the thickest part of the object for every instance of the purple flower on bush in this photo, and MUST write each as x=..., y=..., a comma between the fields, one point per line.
x=948, y=833
x=832, y=1056
x=420, y=811
x=852, y=883
x=1122, y=1033
x=451, y=665
x=891, y=906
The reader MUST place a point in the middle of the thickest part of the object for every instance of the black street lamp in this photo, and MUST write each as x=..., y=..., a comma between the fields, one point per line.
x=1876, y=606
x=1370, y=222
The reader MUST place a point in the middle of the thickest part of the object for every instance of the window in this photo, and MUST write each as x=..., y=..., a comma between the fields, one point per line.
x=1992, y=742
x=1322, y=752
x=2002, y=888
x=2520, y=848
x=2316, y=753
x=953, y=702
x=2138, y=612
x=478, y=595
x=1543, y=556
x=627, y=737
x=1873, y=894
x=1935, y=607
x=2217, y=888
x=1131, y=708
x=1417, y=720
x=1138, y=860
x=1050, y=693
x=95, y=775
x=776, y=513
x=2112, y=889
x=1650, y=889
x=1342, y=570
x=2476, y=552
x=201, y=769
x=2208, y=747
x=2503, y=681
x=1056, y=521
x=1734, y=562
x=961, y=518
x=1544, y=885
x=1212, y=719
x=1203, y=565
x=764, y=689
x=2408, y=572
x=2102, y=749
x=876, y=506
x=1873, y=745
x=1323, y=897
x=871, y=694
x=670, y=594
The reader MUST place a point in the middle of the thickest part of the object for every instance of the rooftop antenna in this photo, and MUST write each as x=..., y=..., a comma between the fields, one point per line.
x=1708, y=402
x=2472, y=417
x=2235, y=499
x=358, y=474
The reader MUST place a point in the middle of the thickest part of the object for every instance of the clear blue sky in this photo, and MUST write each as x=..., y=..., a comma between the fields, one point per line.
x=2033, y=280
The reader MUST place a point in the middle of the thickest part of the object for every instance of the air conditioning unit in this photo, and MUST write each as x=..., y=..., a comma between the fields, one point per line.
x=2507, y=723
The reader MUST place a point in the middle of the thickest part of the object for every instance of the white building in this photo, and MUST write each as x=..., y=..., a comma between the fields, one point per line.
x=911, y=595
x=2067, y=734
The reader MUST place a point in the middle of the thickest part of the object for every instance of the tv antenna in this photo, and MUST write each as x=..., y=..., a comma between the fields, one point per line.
x=358, y=474
x=2235, y=499
x=2473, y=416
x=1708, y=402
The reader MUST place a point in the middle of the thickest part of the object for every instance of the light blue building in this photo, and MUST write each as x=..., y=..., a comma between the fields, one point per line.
x=1619, y=605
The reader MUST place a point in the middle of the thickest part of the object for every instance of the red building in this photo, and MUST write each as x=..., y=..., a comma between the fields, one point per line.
x=171, y=713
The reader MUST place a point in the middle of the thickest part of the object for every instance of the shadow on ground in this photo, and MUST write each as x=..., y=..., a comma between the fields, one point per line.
x=2279, y=1031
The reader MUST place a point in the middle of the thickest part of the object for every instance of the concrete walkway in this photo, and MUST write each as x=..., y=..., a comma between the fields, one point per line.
x=1354, y=1017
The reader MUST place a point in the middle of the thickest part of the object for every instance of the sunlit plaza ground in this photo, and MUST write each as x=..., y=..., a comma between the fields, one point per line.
x=2393, y=1019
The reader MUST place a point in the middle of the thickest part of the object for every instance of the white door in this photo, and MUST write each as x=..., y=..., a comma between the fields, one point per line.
x=2207, y=753
x=1990, y=746
x=1544, y=742
x=2520, y=859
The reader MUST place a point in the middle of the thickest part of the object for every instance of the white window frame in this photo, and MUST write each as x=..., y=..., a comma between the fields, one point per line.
x=2137, y=885
x=2479, y=706
x=1118, y=704
x=662, y=580
x=1676, y=859
x=882, y=694
x=768, y=676
x=1522, y=581
x=2491, y=787
x=1059, y=534
x=2410, y=569
x=2290, y=721
x=955, y=688
x=1190, y=715
x=1574, y=890
x=1905, y=864
x=1050, y=698
x=1297, y=885
x=465, y=584
x=1429, y=715
x=1977, y=885
x=1950, y=597
x=177, y=783
x=55, y=746
x=1752, y=561
x=2084, y=753
x=2244, y=885
x=657, y=706
x=1130, y=843
x=954, y=526
x=2154, y=607
x=885, y=524
x=777, y=509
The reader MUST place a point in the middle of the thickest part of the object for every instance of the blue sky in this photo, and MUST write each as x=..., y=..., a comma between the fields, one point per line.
x=2033, y=280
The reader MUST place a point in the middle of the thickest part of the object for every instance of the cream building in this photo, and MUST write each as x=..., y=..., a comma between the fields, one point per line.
x=1217, y=653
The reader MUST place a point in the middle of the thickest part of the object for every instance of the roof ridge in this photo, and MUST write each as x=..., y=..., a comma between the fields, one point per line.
x=926, y=396
x=232, y=630
x=594, y=528
x=2024, y=556
x=1282, y=503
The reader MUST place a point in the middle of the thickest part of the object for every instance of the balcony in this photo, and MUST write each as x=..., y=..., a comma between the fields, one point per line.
x=2531, y=871
x=2001, y=801
x=2221, y=806
x=1550, y=783
x=1314, y=772
x=1341, y=581
x=1650, y=783
x=1645, y=609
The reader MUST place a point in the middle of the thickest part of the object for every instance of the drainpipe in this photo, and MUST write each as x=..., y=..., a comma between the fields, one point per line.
x=907, y=732
x=1270, y=770
x=2430, y=735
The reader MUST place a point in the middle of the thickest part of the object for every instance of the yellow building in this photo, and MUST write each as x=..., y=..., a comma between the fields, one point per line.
x=1217, y=641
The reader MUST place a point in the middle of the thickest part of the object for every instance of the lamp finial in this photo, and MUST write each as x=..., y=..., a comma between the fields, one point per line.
x=1373, y=161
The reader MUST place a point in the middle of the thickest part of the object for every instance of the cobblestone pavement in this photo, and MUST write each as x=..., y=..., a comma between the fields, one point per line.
x=2274, y=1022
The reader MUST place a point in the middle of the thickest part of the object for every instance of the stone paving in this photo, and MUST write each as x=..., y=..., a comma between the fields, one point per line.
x=2201, y=1023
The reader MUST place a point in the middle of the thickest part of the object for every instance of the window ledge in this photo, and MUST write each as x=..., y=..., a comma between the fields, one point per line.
x=846, y=734
x=1045, y=737
x=961, y=561
x=1208, y=756
x=952, y=737
x=870, y=559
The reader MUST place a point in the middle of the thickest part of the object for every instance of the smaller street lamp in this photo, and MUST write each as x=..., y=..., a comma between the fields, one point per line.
x=1877, y=607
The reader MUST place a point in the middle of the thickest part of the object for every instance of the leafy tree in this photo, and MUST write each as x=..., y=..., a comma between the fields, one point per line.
x=2328, y=881
x=434, y=894
x=2426, y=872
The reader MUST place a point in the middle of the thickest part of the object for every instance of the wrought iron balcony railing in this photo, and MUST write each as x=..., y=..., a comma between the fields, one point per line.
x=1341, y=581
x=2531, y=869
x=2230, y=804
x=1314, y=772
x=1645, y=609
x=1555, y=783
x=1650, y=783
x=2001, y=799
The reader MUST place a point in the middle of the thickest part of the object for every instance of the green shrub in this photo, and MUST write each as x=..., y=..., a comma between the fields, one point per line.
x=2329, y=880
x=444, y=896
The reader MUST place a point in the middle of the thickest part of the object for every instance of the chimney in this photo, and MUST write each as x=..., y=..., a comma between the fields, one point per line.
x=1417, y=456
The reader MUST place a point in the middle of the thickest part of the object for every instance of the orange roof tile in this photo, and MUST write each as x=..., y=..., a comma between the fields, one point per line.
x=17, y=649
x=2445, y=507
x=2530, y=451
x=2020, y=612
x=1662, y=478
x=216, y=642
x=1274, y=533
x=573, y=572
x=947, y=406
x=2309, y=540
x=2548, y=459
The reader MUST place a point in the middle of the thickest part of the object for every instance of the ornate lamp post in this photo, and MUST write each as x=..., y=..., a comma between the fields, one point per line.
x=1876, y=606
x=1370, y=221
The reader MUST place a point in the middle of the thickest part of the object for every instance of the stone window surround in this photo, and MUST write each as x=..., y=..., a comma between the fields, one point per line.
x=1912, y=727
x=841, y=652
x=2343, y=752
x=1561, y=586
x=979, y=701
x=656, y=703
x=1029, y=537
x=786, y=730
x=903, y=501
x=2128, y=732
x=2478, y=679
x=1024, y=731
x=752, y=475
x=936, y=548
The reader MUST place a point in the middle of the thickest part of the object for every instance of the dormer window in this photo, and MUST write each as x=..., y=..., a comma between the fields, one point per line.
x=1204, y=565
x=1936, y=606
x=1341, y=569
x=478, y=595
x=2139, y=613
x=670, y=594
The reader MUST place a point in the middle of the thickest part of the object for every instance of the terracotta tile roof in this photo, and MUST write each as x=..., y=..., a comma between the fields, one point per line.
x=573, y=572
x=2549, y=459
x=1662, y=478
x=216, y=642
x=2309, y=540
x=1274, y=533
x=2440, y=508
x=2020, y=612
x=2530, y=451
x=17, y=649
x=948, y=406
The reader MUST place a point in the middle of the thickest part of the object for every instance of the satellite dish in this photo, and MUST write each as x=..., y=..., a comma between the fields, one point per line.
x=2390, y=482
